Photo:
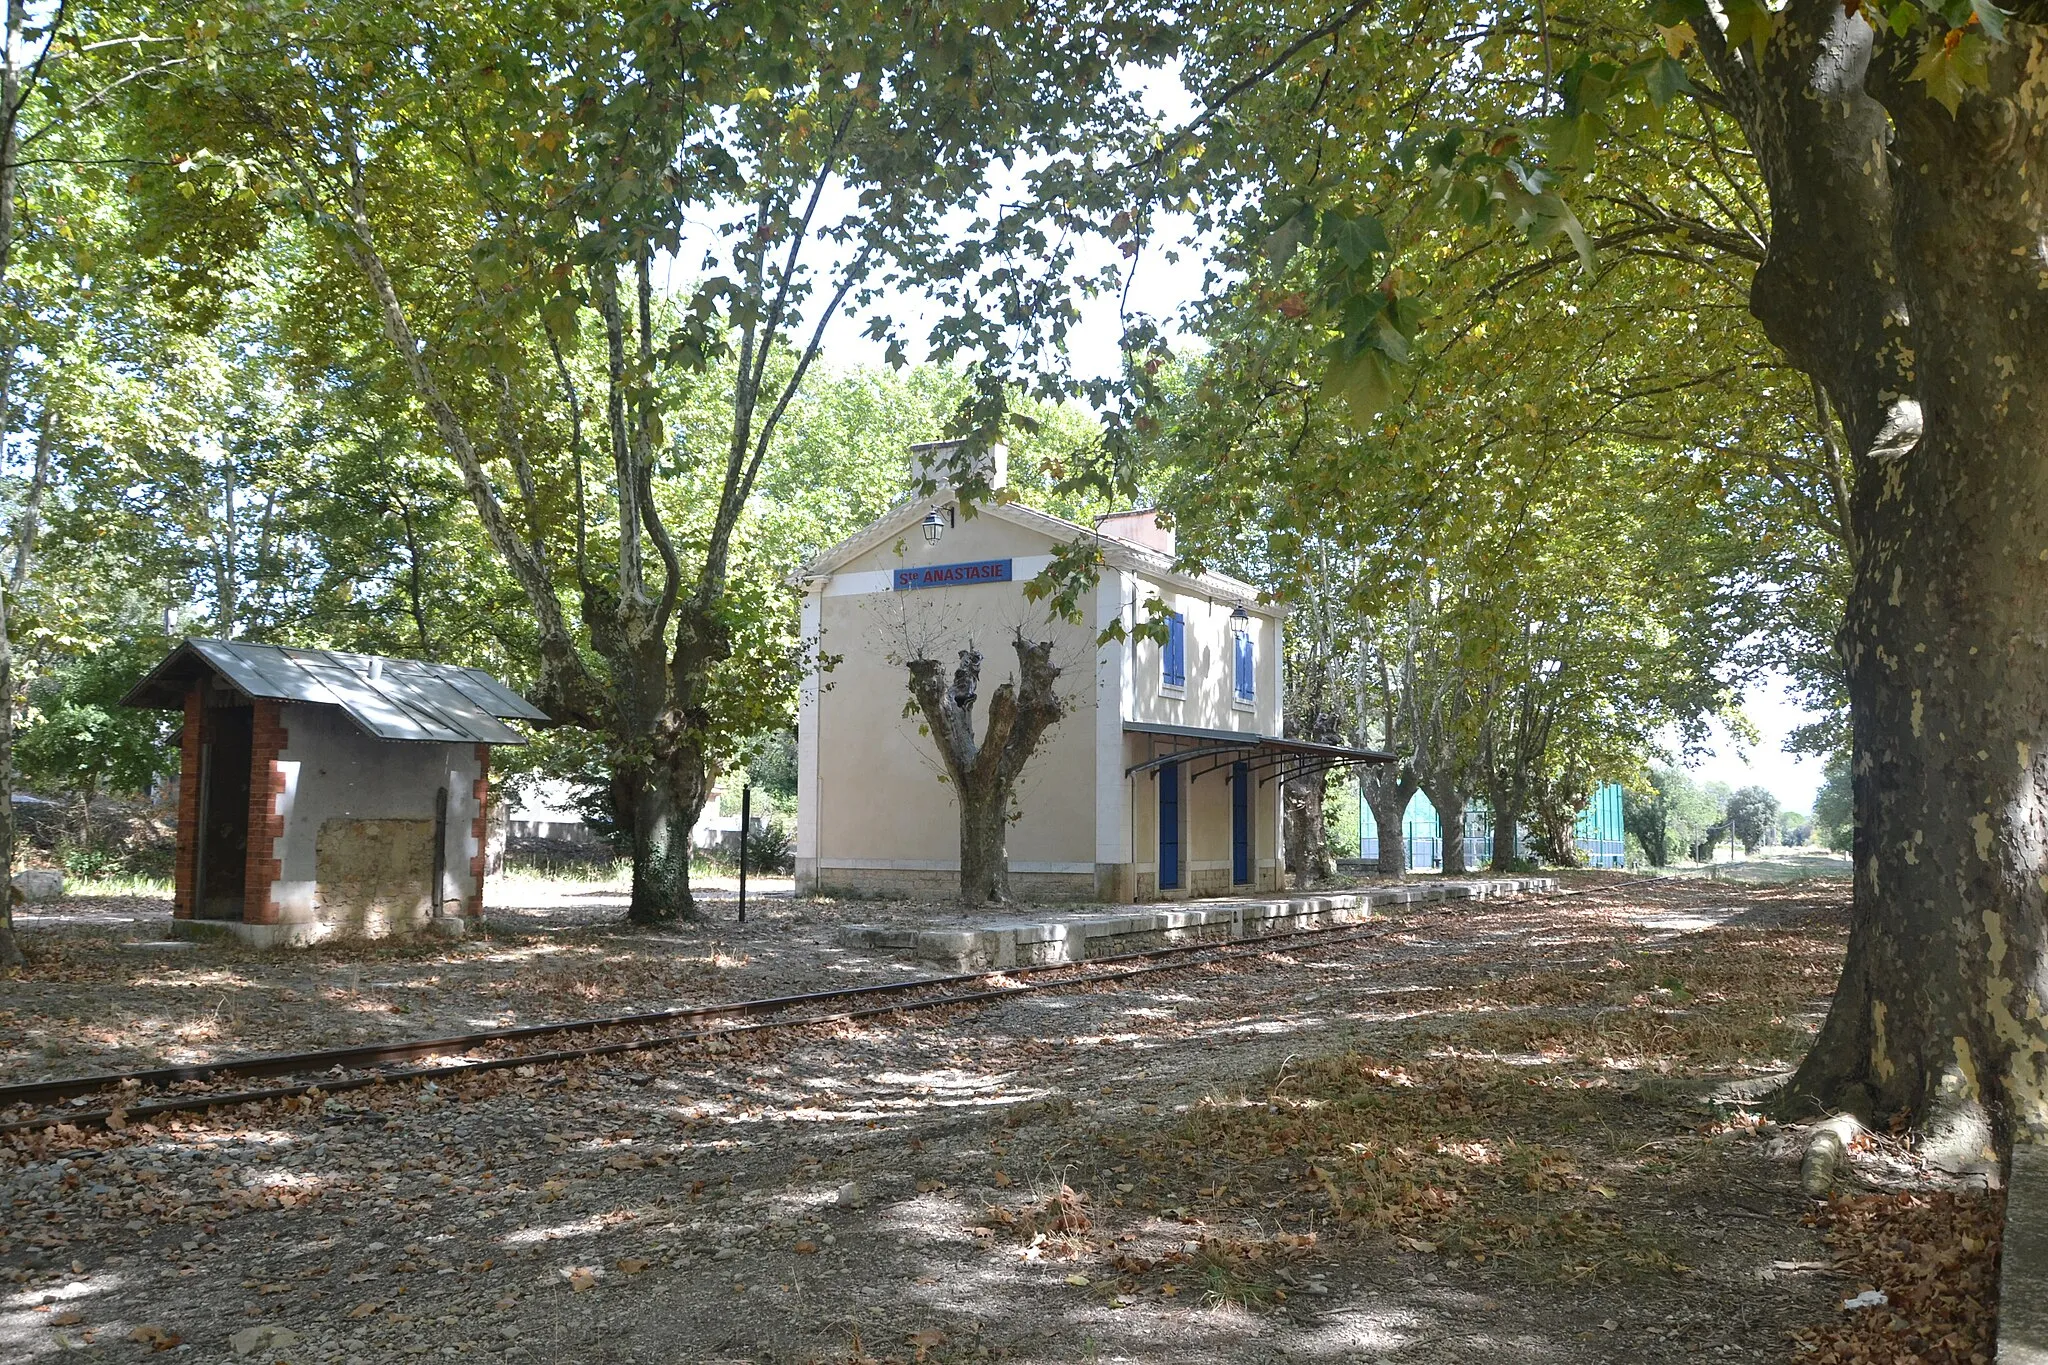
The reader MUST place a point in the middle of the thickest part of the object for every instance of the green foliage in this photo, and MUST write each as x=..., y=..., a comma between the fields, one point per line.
x=1752, y=817
x=77, y=739
x=1834, y=806
x=772, y=770
x=1638, y=375
x=1675, y=818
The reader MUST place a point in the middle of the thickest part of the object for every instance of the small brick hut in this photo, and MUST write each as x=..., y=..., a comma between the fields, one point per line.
x=324, y=793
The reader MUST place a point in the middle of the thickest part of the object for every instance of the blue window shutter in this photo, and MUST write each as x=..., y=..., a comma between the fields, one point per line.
x=1247, y=676
x=1174, y=662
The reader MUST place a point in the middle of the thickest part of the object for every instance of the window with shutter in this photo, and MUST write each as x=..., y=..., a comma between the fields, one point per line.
x=1247, y=685
x=1173, y=660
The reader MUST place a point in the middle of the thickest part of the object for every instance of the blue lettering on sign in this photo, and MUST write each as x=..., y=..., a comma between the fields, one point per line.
x=953, y=575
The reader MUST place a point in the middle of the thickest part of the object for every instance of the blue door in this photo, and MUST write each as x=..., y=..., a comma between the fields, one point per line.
x=1169, y=826
x=1240, y=823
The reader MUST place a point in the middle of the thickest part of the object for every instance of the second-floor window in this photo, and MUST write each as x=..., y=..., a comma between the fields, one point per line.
x=1173, y=660
x=1246, y=674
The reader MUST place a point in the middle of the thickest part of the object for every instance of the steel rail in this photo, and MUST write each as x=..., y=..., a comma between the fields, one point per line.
x=370, y=1054
x=324, y=1059
x=283, y=1064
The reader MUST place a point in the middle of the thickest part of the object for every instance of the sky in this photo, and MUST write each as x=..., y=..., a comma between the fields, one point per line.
x=1793, y=779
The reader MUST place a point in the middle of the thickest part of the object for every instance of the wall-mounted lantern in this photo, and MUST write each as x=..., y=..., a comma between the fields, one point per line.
x=934, y=527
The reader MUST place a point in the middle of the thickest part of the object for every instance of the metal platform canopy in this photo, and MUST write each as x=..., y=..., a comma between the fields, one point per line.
x=1267, y=756
x=387, y=698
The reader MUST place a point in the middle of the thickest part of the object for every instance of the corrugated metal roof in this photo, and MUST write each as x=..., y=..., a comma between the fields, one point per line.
x=388, y=698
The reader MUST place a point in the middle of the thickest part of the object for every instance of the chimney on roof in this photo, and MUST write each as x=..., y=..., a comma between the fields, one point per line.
x=943, y=463
x=1139, y=526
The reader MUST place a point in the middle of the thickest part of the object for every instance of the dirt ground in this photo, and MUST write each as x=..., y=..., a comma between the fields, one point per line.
x=108, y=989
x=1506, y=1130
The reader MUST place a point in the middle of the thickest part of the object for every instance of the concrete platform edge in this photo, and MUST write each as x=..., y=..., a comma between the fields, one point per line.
x=1054, y=938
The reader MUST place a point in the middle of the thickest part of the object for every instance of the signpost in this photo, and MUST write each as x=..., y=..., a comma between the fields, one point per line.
x=746, y=824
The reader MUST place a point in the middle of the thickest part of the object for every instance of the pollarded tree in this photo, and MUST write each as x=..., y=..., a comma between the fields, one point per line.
x=983, y=770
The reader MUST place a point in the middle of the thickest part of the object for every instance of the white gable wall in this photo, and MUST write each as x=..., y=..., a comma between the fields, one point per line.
x=874, y=815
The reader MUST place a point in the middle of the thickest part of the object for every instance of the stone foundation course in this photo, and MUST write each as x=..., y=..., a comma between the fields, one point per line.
x=1081, y=936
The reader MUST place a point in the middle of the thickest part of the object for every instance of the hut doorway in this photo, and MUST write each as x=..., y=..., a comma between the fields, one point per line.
x=225, y=757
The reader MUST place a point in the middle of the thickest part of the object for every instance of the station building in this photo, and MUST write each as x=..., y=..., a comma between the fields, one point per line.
x=1163, y=780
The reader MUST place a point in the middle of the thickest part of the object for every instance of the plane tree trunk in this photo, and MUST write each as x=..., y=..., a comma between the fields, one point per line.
x=983, y=772
x=1450, y=816
x=25, y=530
x=1505, y=854
x=1308, y=844
x=1388, y=789
x=1905, y=274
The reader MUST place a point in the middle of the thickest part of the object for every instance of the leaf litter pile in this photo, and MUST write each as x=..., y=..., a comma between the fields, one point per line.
x=1498, y=1132
x=1934, y=1257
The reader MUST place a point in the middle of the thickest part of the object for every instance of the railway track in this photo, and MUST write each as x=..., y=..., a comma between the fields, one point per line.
x=336, y=1070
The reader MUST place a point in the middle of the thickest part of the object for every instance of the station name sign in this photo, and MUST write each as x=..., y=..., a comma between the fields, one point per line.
x=953, y=575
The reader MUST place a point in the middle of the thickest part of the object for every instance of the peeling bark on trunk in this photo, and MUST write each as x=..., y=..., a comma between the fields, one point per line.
x=1450, y=817
x=1948, y=661
x=1511, y=752
x=984, y=772
x=665, y=777
x=1308, y=844
x=1505, y=855
x=1906, y=275
x=1387, y=794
